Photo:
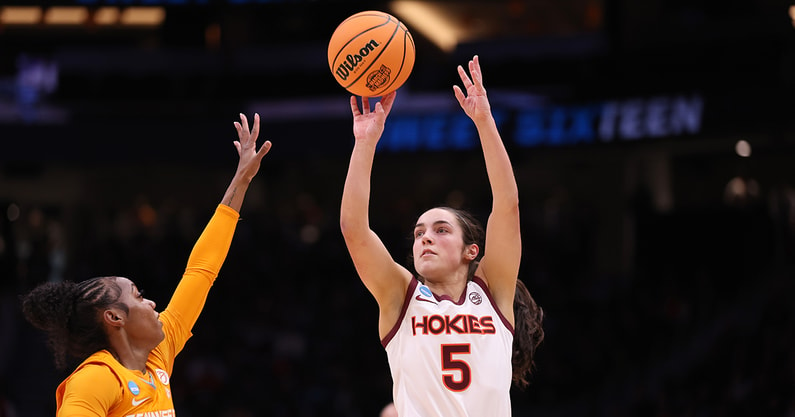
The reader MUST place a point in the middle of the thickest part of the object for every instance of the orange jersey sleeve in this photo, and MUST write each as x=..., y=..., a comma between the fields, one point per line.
x=204, y=264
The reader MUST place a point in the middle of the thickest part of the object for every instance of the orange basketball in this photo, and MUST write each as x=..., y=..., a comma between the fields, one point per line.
x=371, y=54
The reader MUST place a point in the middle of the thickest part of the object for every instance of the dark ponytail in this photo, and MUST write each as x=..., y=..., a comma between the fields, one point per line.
x=528, y=334
x=71, y=315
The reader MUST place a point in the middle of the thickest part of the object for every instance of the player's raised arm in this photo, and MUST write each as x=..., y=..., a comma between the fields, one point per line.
x=503, y=246
x=384, y=278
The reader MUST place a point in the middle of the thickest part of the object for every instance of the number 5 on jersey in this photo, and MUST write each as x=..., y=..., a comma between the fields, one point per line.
x=455, y=365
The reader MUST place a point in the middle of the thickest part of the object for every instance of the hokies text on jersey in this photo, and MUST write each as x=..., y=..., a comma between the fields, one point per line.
x=458, y=324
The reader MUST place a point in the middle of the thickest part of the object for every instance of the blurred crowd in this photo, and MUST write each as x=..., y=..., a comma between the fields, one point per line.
x=700, y=325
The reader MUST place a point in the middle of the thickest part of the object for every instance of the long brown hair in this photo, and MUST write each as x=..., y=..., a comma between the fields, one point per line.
x=528, y=333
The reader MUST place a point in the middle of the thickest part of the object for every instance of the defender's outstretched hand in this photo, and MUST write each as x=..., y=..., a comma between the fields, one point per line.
x=249, y=162
x=246, y=145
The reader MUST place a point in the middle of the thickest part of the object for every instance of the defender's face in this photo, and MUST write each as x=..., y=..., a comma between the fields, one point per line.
x=142, y=322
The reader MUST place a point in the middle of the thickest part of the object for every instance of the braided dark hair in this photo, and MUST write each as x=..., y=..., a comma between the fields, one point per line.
x=528, y=316
x=71, y=315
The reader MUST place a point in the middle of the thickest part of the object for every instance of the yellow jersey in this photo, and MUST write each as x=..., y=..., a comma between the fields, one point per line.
x=101, y=386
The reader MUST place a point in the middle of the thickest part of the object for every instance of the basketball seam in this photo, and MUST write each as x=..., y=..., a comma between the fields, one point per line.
x=354, y=38
x=358, y=15
x=365, y=70
x=406, y=35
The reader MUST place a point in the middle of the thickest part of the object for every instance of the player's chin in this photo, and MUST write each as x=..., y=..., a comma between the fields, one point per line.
x=423, y=269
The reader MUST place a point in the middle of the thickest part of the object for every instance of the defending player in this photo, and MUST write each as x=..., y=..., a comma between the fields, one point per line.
x=127, y=349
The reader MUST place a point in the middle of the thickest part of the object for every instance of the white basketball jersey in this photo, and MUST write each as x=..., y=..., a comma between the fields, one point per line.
x=450, y=358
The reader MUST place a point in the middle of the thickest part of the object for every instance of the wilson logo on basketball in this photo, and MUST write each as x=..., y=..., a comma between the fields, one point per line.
x=348, y=66
x=378, y=78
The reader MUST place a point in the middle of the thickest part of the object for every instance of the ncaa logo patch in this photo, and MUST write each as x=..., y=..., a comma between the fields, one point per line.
x=475, y=298
x=133, y=387
x=425, y=291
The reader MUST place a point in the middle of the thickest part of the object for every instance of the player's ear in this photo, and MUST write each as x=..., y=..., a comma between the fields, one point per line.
x=113, y=317
x=471, y=252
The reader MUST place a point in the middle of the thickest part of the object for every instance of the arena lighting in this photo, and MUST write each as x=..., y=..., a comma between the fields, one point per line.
x=66, y=15
x=431, y=21
x=80, y=15
x=12, y=212
x=106, y=16
x=742, y=148
x=20, y=15
x=143, y=16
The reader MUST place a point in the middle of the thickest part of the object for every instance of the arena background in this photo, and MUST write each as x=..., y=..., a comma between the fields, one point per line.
x=653, y=144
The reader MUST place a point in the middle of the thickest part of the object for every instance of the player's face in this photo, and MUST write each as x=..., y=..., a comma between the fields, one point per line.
x=438, y=244
x=142, y=323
